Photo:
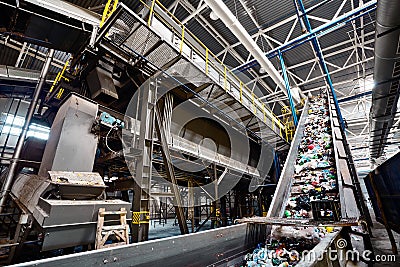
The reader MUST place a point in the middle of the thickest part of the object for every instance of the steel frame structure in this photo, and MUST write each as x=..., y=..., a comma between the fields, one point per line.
x=356, y=50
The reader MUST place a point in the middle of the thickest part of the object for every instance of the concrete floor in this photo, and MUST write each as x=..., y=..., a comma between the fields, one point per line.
x=158, y=230
x=380, y=240
x=382, y=246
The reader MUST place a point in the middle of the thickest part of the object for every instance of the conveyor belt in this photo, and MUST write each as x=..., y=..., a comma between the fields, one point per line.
x=318, y=170
x=314, y=190
x=318, y=188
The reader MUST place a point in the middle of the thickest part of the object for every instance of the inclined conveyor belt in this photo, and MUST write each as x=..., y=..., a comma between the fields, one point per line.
x=317, y=169
x=314, y=192
x=228, y=246
x=317, y=196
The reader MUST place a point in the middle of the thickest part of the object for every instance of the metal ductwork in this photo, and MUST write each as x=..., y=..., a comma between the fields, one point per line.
x=233, y=24
x=385, y=94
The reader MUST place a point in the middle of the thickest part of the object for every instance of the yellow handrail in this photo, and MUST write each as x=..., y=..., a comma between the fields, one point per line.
x=207, y=52
x=225, y=79
x=183, y=39
x=60, y=75
x=263, y=110
x=223, y=72
x=108, y=10
x=241, y=93
x=151, y=12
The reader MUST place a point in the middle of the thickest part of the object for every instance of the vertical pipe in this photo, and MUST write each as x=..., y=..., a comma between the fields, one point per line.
x=277, y=167
x=286, y=79
x=21, y=53
x=18, y=148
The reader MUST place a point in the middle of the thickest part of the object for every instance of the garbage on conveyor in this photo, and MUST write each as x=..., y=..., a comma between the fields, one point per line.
x=285, y=246
x=314, y=190
x=314, y=194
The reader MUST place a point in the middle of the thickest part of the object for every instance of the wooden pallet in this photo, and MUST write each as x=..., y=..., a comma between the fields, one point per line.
x=103, y=232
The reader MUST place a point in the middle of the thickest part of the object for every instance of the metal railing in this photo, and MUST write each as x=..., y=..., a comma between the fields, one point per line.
x=60, y=76
x=213, y=65
x=197, y=150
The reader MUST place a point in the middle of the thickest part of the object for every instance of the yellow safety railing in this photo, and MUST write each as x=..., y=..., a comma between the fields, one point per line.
x=303, y=102
x=288, y=121
x=59, y=77
x=222, y=69
x=110, y=7
x=140, y=217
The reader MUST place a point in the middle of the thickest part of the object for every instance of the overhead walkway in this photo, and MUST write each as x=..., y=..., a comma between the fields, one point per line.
x=163, y=44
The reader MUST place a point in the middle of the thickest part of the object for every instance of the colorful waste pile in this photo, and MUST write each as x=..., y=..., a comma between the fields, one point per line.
x=285, y=247
x=314, y=191
x=313, y=194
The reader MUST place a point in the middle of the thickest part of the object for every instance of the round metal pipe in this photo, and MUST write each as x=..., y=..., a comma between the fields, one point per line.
x=233, y=24
x=17, y=152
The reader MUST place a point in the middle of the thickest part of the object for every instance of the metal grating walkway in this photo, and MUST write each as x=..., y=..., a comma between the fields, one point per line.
x=161, y=45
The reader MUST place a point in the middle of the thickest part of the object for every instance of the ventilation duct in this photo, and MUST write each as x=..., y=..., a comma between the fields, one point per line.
x=385, y=94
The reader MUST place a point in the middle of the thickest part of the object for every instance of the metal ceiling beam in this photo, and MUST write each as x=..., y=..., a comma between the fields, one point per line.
x=282, y=22
x=199, y=9
x=292, y=106
x=333, y=25
x=214, y=33
x=255, y=22
x=240, y=32
x=11, y=43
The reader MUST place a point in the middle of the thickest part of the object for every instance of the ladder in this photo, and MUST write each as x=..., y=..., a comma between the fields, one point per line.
x=120, y=231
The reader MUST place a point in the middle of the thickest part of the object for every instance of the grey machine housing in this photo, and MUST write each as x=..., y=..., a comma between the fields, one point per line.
x=66, y=168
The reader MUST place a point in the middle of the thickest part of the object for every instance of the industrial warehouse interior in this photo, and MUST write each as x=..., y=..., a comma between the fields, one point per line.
x=199, y=133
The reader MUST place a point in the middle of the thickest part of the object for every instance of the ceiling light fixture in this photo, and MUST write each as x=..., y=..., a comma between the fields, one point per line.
x=213, y=16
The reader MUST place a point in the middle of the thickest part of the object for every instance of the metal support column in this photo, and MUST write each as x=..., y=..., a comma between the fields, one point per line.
x=277, y=165
x=197, y=210
x=169, y=169
x=17, y=152
x=191, y=204
x=167, y=115
x=286, y=79
x=318, y=51
x=143, y=166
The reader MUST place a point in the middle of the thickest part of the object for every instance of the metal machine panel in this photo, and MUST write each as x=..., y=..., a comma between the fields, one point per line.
x=72, y=222
x=198, y=249
x=69, y=28
x=77, y=185
x=27, y=189
x=102, y=86
x=71, y=145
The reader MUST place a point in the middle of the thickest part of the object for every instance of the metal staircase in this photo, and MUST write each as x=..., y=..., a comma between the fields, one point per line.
x=163, y=45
